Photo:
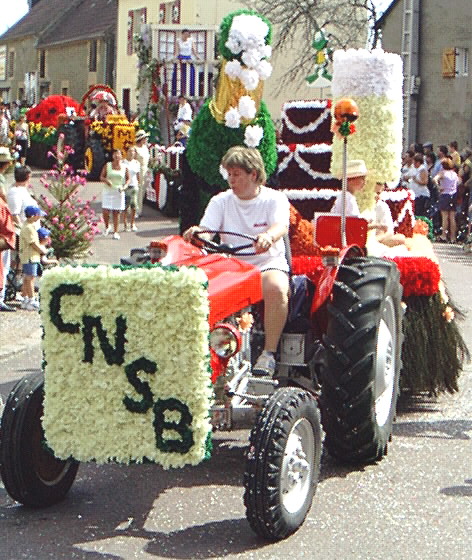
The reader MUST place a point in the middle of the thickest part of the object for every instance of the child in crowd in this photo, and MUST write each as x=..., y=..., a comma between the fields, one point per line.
x=31, y=251
x=48, y=259
x=131, y=193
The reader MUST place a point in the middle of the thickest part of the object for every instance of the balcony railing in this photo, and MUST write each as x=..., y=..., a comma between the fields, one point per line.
x=194, y=78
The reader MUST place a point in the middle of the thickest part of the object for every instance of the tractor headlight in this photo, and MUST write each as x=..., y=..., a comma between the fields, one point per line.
x=225, y=340
x=157, y=251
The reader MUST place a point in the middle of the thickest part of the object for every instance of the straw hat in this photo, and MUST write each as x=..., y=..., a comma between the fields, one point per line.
x=5, y=155
x=355, y=168
x=140, y=134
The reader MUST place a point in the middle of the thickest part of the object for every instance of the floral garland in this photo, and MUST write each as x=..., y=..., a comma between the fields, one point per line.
x=294, y=152
x=126, y=381
x=419, y=276
x=310, y=194
x=374, y=81
x=310, y=108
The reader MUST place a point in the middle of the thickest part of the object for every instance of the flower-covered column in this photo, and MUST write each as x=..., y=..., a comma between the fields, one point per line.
x=374, y=80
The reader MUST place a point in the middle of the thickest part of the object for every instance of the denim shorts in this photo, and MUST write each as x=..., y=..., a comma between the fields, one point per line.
x=30, y=269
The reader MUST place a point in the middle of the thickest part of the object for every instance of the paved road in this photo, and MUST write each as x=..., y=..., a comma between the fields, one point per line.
x=415, y=504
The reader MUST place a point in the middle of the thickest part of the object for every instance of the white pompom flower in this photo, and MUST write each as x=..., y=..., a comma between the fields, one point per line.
x=233, y=68
x=232, y=118
x=266, y=51
x=264, y=69
x=247, y=107
x=249, y=79
x=253, y=135
x=251, y=58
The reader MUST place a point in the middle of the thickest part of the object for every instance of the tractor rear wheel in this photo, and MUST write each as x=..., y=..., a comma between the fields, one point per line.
x=360, y=375
x=30, y=472
x=283, y=463
x=94, y=158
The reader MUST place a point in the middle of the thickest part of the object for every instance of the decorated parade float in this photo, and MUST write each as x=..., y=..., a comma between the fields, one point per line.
x=142, y=362
x=93, y=128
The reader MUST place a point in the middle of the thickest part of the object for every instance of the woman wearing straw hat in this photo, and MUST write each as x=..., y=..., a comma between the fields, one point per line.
x=356, y=174
x=143, y=155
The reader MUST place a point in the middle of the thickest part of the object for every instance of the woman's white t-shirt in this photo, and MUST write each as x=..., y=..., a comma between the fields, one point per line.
x=134, y=168
x=185, y=47
x=227, y=212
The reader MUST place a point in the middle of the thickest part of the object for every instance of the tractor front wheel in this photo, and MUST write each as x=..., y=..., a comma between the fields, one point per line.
x=30, y=472
x=283, y=464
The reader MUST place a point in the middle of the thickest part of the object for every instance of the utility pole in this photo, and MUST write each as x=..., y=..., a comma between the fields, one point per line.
x=411, y=70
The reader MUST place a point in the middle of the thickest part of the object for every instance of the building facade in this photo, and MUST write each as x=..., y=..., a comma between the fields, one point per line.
x=435, y=41
x=58, y=47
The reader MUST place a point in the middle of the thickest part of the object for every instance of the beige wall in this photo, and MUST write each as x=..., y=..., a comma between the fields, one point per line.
x=66, y=66
x=444, y=104
x=75, y=74
x=25, y=61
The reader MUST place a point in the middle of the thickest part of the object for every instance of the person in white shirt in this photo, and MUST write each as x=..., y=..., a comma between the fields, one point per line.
x=418, y=183
x=19, y=197
x=356, y=174
x=251, y=208
x=143, y=155
x=185, y=48
x=131, y=193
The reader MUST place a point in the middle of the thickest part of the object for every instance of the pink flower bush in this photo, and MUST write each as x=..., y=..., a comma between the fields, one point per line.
x=73, y=223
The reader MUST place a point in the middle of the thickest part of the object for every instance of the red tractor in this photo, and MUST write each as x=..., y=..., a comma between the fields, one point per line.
x=339, y=354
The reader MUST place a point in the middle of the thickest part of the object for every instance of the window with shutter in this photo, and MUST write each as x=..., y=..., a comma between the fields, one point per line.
x=449, y=63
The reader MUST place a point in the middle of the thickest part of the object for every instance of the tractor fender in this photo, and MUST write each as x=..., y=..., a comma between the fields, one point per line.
x=328, y=277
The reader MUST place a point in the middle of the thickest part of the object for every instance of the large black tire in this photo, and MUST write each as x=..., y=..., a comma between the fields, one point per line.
x=360, y=375
x=94, y=158
x=74, y=136
x=283, y=463
x=30, y=472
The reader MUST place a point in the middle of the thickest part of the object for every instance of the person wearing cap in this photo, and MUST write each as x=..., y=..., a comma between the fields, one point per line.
x=31, y=251
x=47, y=259
x=356, y=174
x=427, y=147
x=143, y=156
x=5, y=162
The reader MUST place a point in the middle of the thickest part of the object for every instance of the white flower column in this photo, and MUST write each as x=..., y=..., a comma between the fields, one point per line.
x=373, y=79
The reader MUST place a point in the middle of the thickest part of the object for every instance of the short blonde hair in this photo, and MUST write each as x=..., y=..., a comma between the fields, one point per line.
x=248, y=159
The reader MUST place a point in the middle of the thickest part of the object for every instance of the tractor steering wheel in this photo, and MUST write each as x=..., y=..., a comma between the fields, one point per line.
x=213, y=247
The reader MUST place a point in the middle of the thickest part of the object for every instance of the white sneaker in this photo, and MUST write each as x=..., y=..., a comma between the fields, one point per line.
x=32, y=305
x=116, y=236
x=134, y=228
x=24, y=302
x=107, y=231
x=19, y=297
x=265, y=365
x=127, y=228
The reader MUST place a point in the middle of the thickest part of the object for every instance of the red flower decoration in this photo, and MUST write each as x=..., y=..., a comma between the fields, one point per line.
x=419, y=276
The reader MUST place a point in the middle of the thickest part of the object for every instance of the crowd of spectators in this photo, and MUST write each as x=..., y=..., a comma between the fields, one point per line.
x=441, y=181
